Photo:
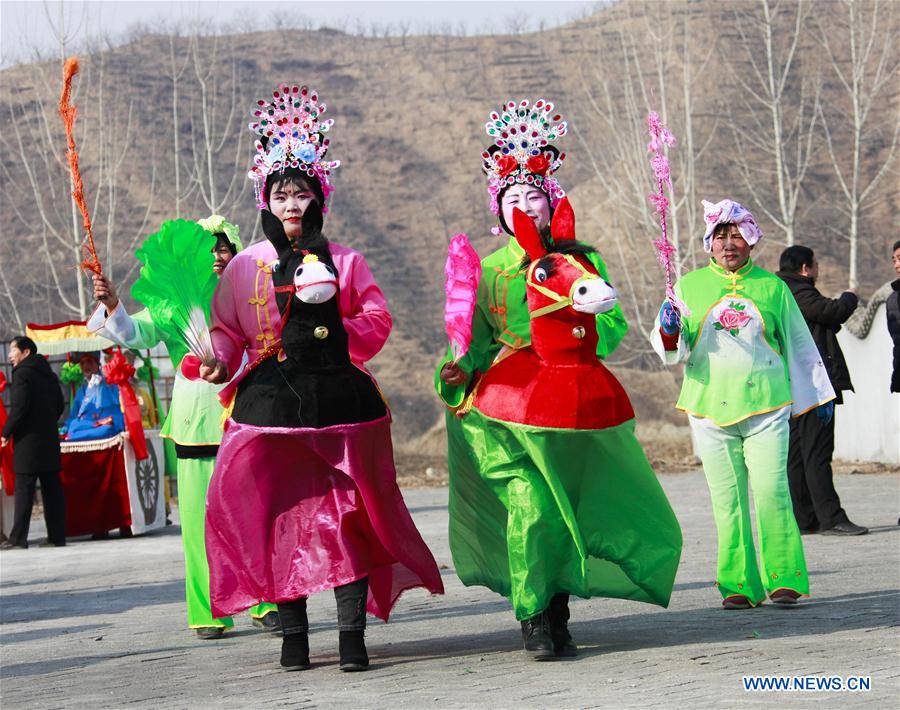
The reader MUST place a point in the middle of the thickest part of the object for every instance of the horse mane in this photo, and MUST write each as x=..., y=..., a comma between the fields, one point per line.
x=563, y=246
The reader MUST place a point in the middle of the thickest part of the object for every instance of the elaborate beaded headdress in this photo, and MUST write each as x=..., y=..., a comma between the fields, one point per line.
x=295, y=132
x=522, y=152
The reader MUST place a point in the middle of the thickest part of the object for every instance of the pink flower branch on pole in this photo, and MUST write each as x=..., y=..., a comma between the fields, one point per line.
x=462, y=272
x=660, y=139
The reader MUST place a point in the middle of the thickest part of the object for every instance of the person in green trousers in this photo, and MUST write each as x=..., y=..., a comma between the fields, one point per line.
x=194, y=424
x=750, y=365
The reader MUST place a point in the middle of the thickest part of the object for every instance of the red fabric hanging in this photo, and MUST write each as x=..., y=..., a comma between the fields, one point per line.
x=96, y=491
x=117, y=371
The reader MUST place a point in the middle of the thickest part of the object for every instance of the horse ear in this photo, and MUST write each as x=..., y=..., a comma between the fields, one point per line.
x=562, y=226
x=527, y=235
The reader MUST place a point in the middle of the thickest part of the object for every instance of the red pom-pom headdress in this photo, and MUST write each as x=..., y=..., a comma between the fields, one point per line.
x=522, y=152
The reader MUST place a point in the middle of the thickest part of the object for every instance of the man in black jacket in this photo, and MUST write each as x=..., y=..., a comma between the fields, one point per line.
x=817, y=506
x=36, y=404
x=893, y=319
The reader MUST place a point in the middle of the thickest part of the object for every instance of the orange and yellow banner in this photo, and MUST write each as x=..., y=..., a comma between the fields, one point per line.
x=62, y=338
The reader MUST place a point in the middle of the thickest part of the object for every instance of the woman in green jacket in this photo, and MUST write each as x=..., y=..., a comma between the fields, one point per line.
x=194, y=424
x=505, y=511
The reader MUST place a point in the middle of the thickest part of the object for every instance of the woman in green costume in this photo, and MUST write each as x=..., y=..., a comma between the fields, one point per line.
x=194, y=421
x=542, y=511
x=750, y=365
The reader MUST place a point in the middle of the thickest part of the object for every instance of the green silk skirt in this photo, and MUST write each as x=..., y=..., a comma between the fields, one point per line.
x=537, y=511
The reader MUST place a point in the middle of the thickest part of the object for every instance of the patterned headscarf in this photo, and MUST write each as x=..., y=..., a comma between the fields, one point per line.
x=725, y=212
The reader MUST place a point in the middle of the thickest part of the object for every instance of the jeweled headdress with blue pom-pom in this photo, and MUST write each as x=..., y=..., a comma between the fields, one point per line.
x=522, y=152
x=294, y=132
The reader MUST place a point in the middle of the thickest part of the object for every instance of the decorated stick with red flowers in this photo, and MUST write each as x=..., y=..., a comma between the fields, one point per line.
x=660, y=136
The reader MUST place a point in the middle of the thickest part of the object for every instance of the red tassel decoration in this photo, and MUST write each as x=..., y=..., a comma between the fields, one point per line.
x=91, y=262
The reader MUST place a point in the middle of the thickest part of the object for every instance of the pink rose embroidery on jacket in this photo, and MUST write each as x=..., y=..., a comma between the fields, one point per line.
x=732, y=318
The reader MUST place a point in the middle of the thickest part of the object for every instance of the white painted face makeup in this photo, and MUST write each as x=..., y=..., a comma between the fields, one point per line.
x=288, y=202
x=531, y=200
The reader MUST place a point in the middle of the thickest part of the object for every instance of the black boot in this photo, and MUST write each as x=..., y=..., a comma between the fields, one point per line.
x=351, y=612
x=295, y=652
x=536, y=637
x=295, y=642
x=352, y=646
x=558, y=611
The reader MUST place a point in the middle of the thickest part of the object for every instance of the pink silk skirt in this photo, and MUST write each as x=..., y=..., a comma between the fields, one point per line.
x=291, y=512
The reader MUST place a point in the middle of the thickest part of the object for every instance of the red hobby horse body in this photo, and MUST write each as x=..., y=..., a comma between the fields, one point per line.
x=558, y=382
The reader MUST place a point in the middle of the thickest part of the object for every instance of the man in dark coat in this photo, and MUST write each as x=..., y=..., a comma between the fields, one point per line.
x=817, y=506
x=893, y=319
x=36, y=404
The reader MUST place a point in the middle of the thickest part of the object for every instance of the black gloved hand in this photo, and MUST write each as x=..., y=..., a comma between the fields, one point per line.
x=274, y=231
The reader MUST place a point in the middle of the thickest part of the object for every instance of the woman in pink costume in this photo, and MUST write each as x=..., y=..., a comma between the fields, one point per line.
x=305, y=472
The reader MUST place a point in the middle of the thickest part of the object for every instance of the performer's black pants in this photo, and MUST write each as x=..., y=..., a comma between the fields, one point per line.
x=816, y=503
x=54, y=507
x=351, y=609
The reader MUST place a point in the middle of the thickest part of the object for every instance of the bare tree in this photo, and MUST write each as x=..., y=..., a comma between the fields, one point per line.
x=861, y=46
x=64, y=32
x=652, y=69
x=774, y=120
x=39, y=184
x=175, y=69
x=217, y=157
x=515, y=23
x=403, y=27
x=48, y=232
x=696, y=135
x=9, y=319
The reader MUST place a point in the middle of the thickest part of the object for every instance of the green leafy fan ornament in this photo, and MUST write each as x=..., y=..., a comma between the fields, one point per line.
x=71, y=373
x=177, y=284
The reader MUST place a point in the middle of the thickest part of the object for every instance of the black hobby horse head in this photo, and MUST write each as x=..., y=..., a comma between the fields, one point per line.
x=306, y=290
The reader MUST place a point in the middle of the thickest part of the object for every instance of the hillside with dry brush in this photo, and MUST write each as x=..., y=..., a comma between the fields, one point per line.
x=162, y=133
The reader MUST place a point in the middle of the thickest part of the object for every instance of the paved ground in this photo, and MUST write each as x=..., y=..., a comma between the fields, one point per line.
x=101, y=625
